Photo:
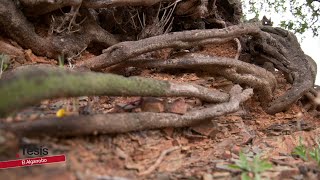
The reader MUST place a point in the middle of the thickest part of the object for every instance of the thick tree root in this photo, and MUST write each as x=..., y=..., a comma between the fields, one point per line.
x=313, y=100
x=283, y=48
x=29, y=85
x=17, y=27
x=239, y=72
x=126, y=122
x=266, y=43
x=40, y=7
x=126, y=50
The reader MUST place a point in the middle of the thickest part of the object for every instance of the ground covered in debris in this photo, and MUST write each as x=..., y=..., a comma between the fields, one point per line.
x=206, y=149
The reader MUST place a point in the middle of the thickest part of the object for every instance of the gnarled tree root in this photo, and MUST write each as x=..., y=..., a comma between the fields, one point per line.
x=130, y=49
x=17, y=27
x=34, y=8
x=239, y=72
x=29, y=85
x=126, y=122
x=284, y=49
x=313, y=101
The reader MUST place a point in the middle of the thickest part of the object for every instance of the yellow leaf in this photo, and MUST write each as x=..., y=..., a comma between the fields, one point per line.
x=60, y=113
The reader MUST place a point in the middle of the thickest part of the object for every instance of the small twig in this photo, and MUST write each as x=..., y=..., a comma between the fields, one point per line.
x=165, y=19
x=159, y=160
x=77, y=55
x=141, y=22
x=238, y=48
x=170, y=5
x=74, y=13
x=70, y=20
x=1, y=67
x=132, y=20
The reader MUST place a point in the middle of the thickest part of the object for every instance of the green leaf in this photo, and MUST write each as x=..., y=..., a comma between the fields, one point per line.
x=257, y=177
x=234, y=166
x=298, y=16
x=243, y=162
x=315, y=155
x=260, y=165
x=5, y=66
x=61, y=60
x=300, y=150
x=4, y=62
x=245, y=176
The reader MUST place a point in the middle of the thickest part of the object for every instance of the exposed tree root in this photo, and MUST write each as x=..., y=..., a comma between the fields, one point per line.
x=40, y=7
x=266, y=44
x=126, y=122
x=12, y=51
x=29, y=85
x=313, y=100
x=15, y=24
x=125, y=50
x=239, y=72
x=231, y=11
x=282, y=48
x=119, y=3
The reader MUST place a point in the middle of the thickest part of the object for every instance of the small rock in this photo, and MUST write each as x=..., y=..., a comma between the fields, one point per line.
x=137, y=110
x=207, y=177
x=205, y=129
x=236, y=149
x=33, y=116
x=220, y=175
x=246, y=138
x=57, y=105
x=227, y=155
x=194, y=102
x=168, y=131
x=151, y=104
x=289, y=173
x=179, y=106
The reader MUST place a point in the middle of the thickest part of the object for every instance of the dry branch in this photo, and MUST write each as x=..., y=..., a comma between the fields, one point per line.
x=159, y=160
x=29, y=85
x=126, y=122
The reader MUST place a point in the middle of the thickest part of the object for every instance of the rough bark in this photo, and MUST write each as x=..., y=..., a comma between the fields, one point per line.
x=282, y=48
x=30, y=84
x=16, y=26
x=239, y=72
x=126, y=122
x=267, y=44
x=40, y=7
x=129, y=49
